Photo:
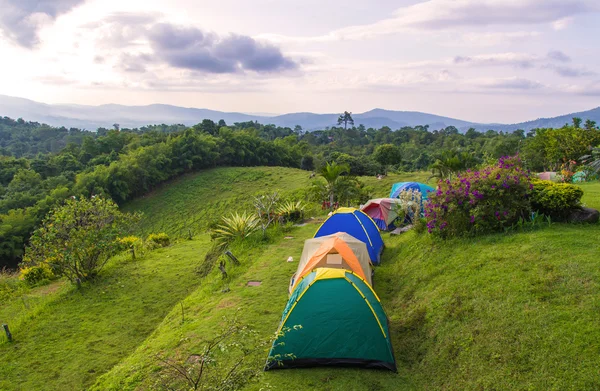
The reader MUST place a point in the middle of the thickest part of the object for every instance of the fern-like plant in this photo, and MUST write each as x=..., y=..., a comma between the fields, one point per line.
x=235, y=226
x=291, y=211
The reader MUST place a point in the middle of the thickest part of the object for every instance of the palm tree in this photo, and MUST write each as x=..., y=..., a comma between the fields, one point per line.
x=593, y=159
x=335, y=181
x=450, y=163
x=345, y=119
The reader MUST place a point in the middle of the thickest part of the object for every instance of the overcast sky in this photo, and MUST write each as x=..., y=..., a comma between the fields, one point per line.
x=479, y=60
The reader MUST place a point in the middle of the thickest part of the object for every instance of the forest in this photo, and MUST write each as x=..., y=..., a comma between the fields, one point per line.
x=41, y=165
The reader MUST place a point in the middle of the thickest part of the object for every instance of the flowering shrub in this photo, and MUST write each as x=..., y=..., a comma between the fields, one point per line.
x=555, y=199
x=35, y=274
x=129, y=242
x=487, y=200
x=158, y=240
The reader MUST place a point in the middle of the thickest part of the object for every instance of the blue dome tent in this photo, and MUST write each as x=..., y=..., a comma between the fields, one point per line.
x=358, y=224
x=399, y=187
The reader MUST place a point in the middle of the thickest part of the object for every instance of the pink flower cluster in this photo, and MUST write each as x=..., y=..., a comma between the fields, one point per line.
x=480, y=200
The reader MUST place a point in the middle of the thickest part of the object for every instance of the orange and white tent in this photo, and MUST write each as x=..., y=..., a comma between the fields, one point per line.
x=338, y=251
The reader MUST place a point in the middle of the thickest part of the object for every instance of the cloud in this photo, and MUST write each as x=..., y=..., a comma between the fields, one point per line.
x=518, y=60
x=20, y=20
x=192, y=48
x=149, y=42
x=491, y=38
x=566, y=71
x=525, y=61
x=443, y=15
x=440, y=14
x=512, y=83
x=591, y=89
x=563, y=23
x=559, y=56
x=135, y=63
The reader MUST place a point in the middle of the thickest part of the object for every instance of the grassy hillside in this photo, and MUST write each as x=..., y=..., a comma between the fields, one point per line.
x=500, y=312
x=194, y=201
x=517, y=311
x=67, y=339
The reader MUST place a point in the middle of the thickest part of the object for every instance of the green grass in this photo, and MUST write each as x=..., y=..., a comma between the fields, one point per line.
x=591, y=194
x=192, y=202
x=518, y=311
x=67, y=340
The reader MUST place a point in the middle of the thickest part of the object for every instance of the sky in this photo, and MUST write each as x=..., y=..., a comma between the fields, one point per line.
x=488, y=61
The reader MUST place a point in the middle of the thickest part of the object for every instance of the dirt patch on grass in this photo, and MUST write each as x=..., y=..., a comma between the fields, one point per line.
x=227, y=303
x=48, y=289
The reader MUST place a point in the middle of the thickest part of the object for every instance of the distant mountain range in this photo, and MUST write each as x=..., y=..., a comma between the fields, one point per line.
x=93, y=117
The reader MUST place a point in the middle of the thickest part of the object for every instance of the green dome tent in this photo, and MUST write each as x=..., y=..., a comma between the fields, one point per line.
x=332, y=317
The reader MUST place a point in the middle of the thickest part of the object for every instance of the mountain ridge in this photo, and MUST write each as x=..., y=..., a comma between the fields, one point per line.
x=135, y=116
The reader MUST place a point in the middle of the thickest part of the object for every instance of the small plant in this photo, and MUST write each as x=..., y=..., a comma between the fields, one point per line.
x=158, y=240
x=536, y=220
x=227, y=362
x=265, y=206
x=420, y=225
x=131, y=243
x=36, y=274
x=409, y=210
x=235, y=226
x=10, y=285
x=291, y=211
x=567, y=170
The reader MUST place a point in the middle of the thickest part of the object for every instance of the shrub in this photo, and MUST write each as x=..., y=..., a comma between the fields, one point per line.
x=131, y=243
x=158, y=240
x=36, y=274
x=128, y=242
x=265, y=205
x=487, y=200
x=78, y=238
x=9, y=285
x=410, y=207
x=419, y=225
x=235, y=226
x=555, y=199
x=291, y=211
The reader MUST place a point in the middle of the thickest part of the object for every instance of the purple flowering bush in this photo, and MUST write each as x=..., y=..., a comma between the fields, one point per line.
x=488, y=200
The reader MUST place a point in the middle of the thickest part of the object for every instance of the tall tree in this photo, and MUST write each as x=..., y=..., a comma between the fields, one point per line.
x=345, y=119
x=387, y=155
x=589, y=124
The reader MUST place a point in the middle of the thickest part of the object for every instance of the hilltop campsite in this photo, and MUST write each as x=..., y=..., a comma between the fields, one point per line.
x=492, y=283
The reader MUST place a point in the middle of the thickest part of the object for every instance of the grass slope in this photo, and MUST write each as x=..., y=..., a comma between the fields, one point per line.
x=516, y=311
x=67, y=340
x=194, y=201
